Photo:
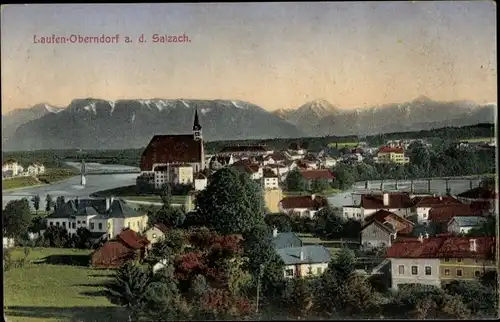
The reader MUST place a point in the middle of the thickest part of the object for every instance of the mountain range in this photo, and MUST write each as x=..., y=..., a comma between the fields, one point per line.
x=100, y=124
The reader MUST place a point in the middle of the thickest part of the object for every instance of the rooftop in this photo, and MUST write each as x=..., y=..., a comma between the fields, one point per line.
x=427, y=201
x=387, y=149
x=469, y=221
x=309, y=202
x=286, y=240
x=396, y=201
x=310, y=255
x=317, y=174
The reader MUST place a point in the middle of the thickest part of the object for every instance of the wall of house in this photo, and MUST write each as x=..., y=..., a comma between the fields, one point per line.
x=423, y=214
x=374, y=236
x=404, y=212
x=420, y=278
x=137, y=224
x=65, y=223
x=153, y=234
x=117, y=226
x=184, y=175
x=200, y=184
x=272, y=198
x=352, y=212
x=469, y=268
x=315, y=269
x=271, y=183
x=98, y=225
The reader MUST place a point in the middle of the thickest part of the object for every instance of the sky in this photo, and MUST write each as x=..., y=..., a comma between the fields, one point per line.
x=276, y=55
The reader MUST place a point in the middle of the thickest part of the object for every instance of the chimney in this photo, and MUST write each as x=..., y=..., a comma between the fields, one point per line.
x=440, y=198
x=421, y=238
x=386, y=199
x=473, y=245
x=301, y=254
x=426, y=235
x=108, y=203
x=275, y=232
x=313, y=196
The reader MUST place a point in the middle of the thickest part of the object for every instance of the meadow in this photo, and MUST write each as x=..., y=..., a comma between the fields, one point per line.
x=55, y=285
x=19, y=182
x=477, y=140
x=343, y=144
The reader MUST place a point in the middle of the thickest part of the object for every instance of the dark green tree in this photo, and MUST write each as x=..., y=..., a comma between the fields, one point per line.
x=343, y=264
x=319, y=185
x=166, y=196
x=344, y=176
x=282, y=222
x=36, y=203
x=49, y=203
x=295, y=181
x=16, y=218
x=328, y=224
x=128, y=289
x=231, y=203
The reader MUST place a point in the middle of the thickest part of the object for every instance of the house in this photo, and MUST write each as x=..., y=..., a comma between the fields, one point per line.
x=8, y=242
x=388, y=154
x=463, y=224
x=414, y=261
x=181, y=174
x=308, y=164
x=100, y=216
x=253, y=170
x=269, y=179
x=156, y=233
x=246, y=150
x=327, y=162
x=398, y=203
x=272, y=198
x=222, y=160
x=304, y=261
x=382, y=227
x=200, y=181
x=285, y=240
x=438, y=260
x=7, y=174
x=303, y=205
x=279, y=169
x=466, y=258
x=299, y=149
x=321, y=174
x=127, y=246
x=423, y=204
x=167, y=150
x=12, y=165
x=440, y=216
x=482, y=194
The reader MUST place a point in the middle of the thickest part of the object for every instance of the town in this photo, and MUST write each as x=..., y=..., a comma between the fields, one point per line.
x=266, y=214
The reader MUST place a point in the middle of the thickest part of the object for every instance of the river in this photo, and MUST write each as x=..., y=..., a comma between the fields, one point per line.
x=71, y=187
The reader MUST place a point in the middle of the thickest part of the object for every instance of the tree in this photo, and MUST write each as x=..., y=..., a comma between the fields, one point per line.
x=231, y=203
x=328, y=224
x=319, y=185
x=298, y=298
x=343, y=264
x=60, y=201
x=171, y=245
x=16, y=218
x=36, y=203
x=49, y=203
x=280, y=221
x=166, y=196
x=128, y=288
x=83, y=238
x=55, y=236
x=488, y=228
x=295, y=181
x=344, y=177
x=480, y=299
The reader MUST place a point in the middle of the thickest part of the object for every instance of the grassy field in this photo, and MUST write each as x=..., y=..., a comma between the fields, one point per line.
x=175, y=199
x=343, y=144
x=50, y=292
x=19, y=182
x=475, y=140
x=129, y=192
x=326, y=193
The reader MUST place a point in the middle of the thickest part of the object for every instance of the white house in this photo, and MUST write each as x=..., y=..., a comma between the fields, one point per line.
x=200, y=181
x=328, y=162
x=304, y=261
x=303, y=206
x=155, y=233
x=270, y=179
x=367, y=204
x=161, y=176
x=14, y=166
x=280, y=170
x=463, y=224
x=423, y=204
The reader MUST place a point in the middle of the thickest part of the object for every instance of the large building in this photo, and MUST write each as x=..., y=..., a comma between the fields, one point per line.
x=388, y=154
x=166, y=152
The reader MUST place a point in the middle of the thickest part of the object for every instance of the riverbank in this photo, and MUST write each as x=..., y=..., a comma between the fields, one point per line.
x=130, y=193
x=50, y=177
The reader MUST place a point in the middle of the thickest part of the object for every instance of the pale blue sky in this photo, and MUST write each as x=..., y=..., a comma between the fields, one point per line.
x=277, y=55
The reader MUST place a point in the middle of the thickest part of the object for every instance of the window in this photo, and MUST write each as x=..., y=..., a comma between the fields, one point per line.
x=78, y=222
x=428, y=270
x=100, y=226
x=64, y=224
x=57, y=223
x=319, y=270
x=476, y=261
x=128, y=224
x=91, y=225
x=459, y=272
x=401, y=269
x=459, y=260
x=414, y=270
x=50, y=223
x=447, y=271
x=73, y=225
x=289, y=272
x=477, y=273
x=446, y=260
x=154, y=235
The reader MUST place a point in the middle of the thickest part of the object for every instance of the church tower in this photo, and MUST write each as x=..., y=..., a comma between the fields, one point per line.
x=197, y=127
x=197, y=136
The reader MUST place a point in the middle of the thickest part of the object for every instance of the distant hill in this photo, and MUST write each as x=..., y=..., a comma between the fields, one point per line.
x=100, y=124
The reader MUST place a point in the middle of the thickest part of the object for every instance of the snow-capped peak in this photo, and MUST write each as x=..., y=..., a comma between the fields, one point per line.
x=91, y=107
x=112, y=104
x=238, y=104
x=185, y=104
x=52, y=109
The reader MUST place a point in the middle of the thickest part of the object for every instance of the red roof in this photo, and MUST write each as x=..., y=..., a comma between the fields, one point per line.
x=310, y=202
x=171, y=149
x=388, y=149
x=317, y=174
x=429, y=201
x=200, y=176
x=444, y=213
x=382, y=216
x=161, y=227
x=443, y=247
x=396, y=201
x=242, y=162
x=132, y=239
x=268, y=173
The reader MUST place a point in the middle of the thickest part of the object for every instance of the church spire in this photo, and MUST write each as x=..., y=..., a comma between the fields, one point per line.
x=196, y=126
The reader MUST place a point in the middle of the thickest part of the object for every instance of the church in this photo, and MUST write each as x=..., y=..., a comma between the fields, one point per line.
x=174, y=158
